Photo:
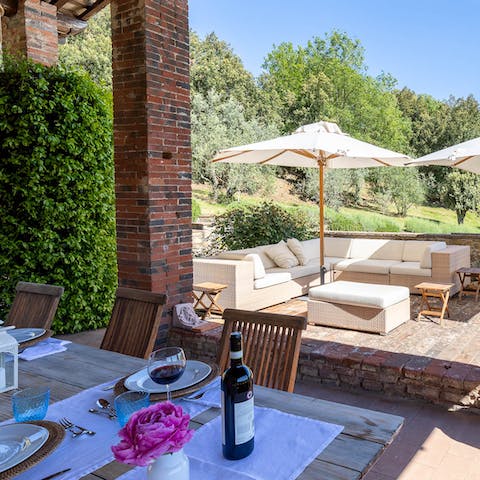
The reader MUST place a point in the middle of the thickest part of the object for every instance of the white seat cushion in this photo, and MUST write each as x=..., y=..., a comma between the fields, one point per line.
x=272, y=279
x=367, y=266
x=410, y=268
x=359, y=294
x=331, y=262
x=344, y=263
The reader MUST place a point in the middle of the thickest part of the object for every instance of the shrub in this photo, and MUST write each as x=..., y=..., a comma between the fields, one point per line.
x=57, y=191
x=196, y=210
x=246, y=226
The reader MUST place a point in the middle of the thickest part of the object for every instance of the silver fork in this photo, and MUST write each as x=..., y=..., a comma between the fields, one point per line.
x=75, y=430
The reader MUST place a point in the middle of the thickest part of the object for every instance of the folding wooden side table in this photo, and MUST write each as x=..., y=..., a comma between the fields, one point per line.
x=208, y=298
x=434, y=290
x=474, y=285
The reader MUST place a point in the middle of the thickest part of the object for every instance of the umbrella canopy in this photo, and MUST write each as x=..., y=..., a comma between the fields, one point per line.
x=465, y=155
x=318, y=145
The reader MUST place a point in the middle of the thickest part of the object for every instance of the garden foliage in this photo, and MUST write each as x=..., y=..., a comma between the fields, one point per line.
x=246, y=226
x=57, y=191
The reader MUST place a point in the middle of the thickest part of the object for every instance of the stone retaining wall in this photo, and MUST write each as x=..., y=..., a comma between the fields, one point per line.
x=394, y=374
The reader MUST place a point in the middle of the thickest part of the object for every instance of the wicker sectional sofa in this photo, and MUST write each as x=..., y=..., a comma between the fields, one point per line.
x=255, y=281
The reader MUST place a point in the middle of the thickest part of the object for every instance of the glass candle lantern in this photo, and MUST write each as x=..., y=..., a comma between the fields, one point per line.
x=8, y=361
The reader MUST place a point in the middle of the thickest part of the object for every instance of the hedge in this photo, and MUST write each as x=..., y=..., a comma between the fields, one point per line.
x=245, y=225
x=57, y=190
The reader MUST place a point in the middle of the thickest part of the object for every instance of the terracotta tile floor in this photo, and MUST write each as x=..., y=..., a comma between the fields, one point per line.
x=458, y=341
x=434, y=444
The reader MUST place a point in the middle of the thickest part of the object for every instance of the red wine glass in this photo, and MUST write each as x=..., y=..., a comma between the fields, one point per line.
x=166, y=365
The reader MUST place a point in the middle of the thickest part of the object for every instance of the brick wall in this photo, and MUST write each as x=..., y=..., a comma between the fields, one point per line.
x=32, y=32
x=152, y=146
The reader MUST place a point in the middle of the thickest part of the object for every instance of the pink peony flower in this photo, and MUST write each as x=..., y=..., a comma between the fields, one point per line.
x=151, y=432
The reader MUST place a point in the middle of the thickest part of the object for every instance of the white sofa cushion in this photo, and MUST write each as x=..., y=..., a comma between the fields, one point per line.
x=258, y=268
x=359, y=294
x=272, y=279
x=297, y=249
x=337, y=247
x=367, y=265
x=266, y=260
x=390, y=250
x=344, y=263
x=426, y=261
x=414, y=249
x=282, y=255
x=311, y=248
x=410, y=268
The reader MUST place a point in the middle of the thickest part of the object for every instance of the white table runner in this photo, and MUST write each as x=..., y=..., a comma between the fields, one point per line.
x=86, y=453
x=285, y=445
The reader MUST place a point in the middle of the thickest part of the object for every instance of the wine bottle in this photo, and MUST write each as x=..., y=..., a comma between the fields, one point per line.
x=237, y=404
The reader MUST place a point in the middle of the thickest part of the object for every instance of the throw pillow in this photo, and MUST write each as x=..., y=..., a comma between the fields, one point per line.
x=282, y=255
x=258, y=268
x=296, y=247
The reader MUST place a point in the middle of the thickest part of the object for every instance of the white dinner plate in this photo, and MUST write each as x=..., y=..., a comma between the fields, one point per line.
x=18, y=442
x=194, y=373
x=22, y=335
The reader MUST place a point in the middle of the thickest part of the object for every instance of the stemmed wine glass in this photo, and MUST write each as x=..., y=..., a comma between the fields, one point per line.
x=166, y=365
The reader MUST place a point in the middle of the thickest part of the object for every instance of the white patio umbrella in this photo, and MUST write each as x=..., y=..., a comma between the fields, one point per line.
x=465, y=155
x=318, y=145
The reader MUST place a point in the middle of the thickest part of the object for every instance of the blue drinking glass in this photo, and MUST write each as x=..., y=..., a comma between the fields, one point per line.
x=30, y=404
x=128, y=403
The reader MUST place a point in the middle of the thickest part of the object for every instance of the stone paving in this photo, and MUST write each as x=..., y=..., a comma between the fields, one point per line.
x=458, y=340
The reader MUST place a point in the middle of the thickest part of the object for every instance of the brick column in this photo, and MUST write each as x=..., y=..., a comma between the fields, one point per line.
x=32, y=32
x=152, y=146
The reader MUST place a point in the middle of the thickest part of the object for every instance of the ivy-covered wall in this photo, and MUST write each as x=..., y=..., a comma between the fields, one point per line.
x=57, y=215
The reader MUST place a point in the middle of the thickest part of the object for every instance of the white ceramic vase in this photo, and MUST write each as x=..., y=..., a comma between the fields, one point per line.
x=171, y=466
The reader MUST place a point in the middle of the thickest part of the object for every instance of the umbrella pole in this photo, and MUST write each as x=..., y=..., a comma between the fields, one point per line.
x=321, y=167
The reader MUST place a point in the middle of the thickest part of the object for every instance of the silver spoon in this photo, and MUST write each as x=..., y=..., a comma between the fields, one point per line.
x=106, y=405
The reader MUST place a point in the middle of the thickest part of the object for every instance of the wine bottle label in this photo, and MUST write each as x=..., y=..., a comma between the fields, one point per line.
x=236, y=355
x=244, y=425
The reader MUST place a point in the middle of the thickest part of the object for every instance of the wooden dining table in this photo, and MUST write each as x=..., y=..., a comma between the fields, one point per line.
x=349, y=456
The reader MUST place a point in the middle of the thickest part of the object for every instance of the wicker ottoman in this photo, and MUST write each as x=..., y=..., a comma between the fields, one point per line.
x=359, y=306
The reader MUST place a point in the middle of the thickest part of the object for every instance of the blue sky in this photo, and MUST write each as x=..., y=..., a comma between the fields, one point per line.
x=431, y=46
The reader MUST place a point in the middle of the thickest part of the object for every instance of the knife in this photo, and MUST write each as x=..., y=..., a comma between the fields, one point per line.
x=53, y=475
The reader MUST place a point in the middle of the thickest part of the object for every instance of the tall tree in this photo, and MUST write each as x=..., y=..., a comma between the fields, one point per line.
x=215, y=67
x=91, y=49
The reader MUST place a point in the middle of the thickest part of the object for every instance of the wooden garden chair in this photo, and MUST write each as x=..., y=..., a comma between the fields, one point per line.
x=34, y=305
x=271, y=345
x=134, y=323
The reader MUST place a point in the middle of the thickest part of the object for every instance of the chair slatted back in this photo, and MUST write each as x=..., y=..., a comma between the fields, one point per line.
x=271, y=345
x=34, y=305
x=134, y=323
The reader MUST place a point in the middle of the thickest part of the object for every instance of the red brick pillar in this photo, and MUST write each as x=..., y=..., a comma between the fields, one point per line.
x=32, y=32
x=152, y=146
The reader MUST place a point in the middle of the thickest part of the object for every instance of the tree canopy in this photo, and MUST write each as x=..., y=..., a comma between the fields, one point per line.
x=325, y=79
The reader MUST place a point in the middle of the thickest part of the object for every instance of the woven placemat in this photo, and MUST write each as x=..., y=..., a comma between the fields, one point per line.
x=34, y=341
x=56, y=434
x=158, y=397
